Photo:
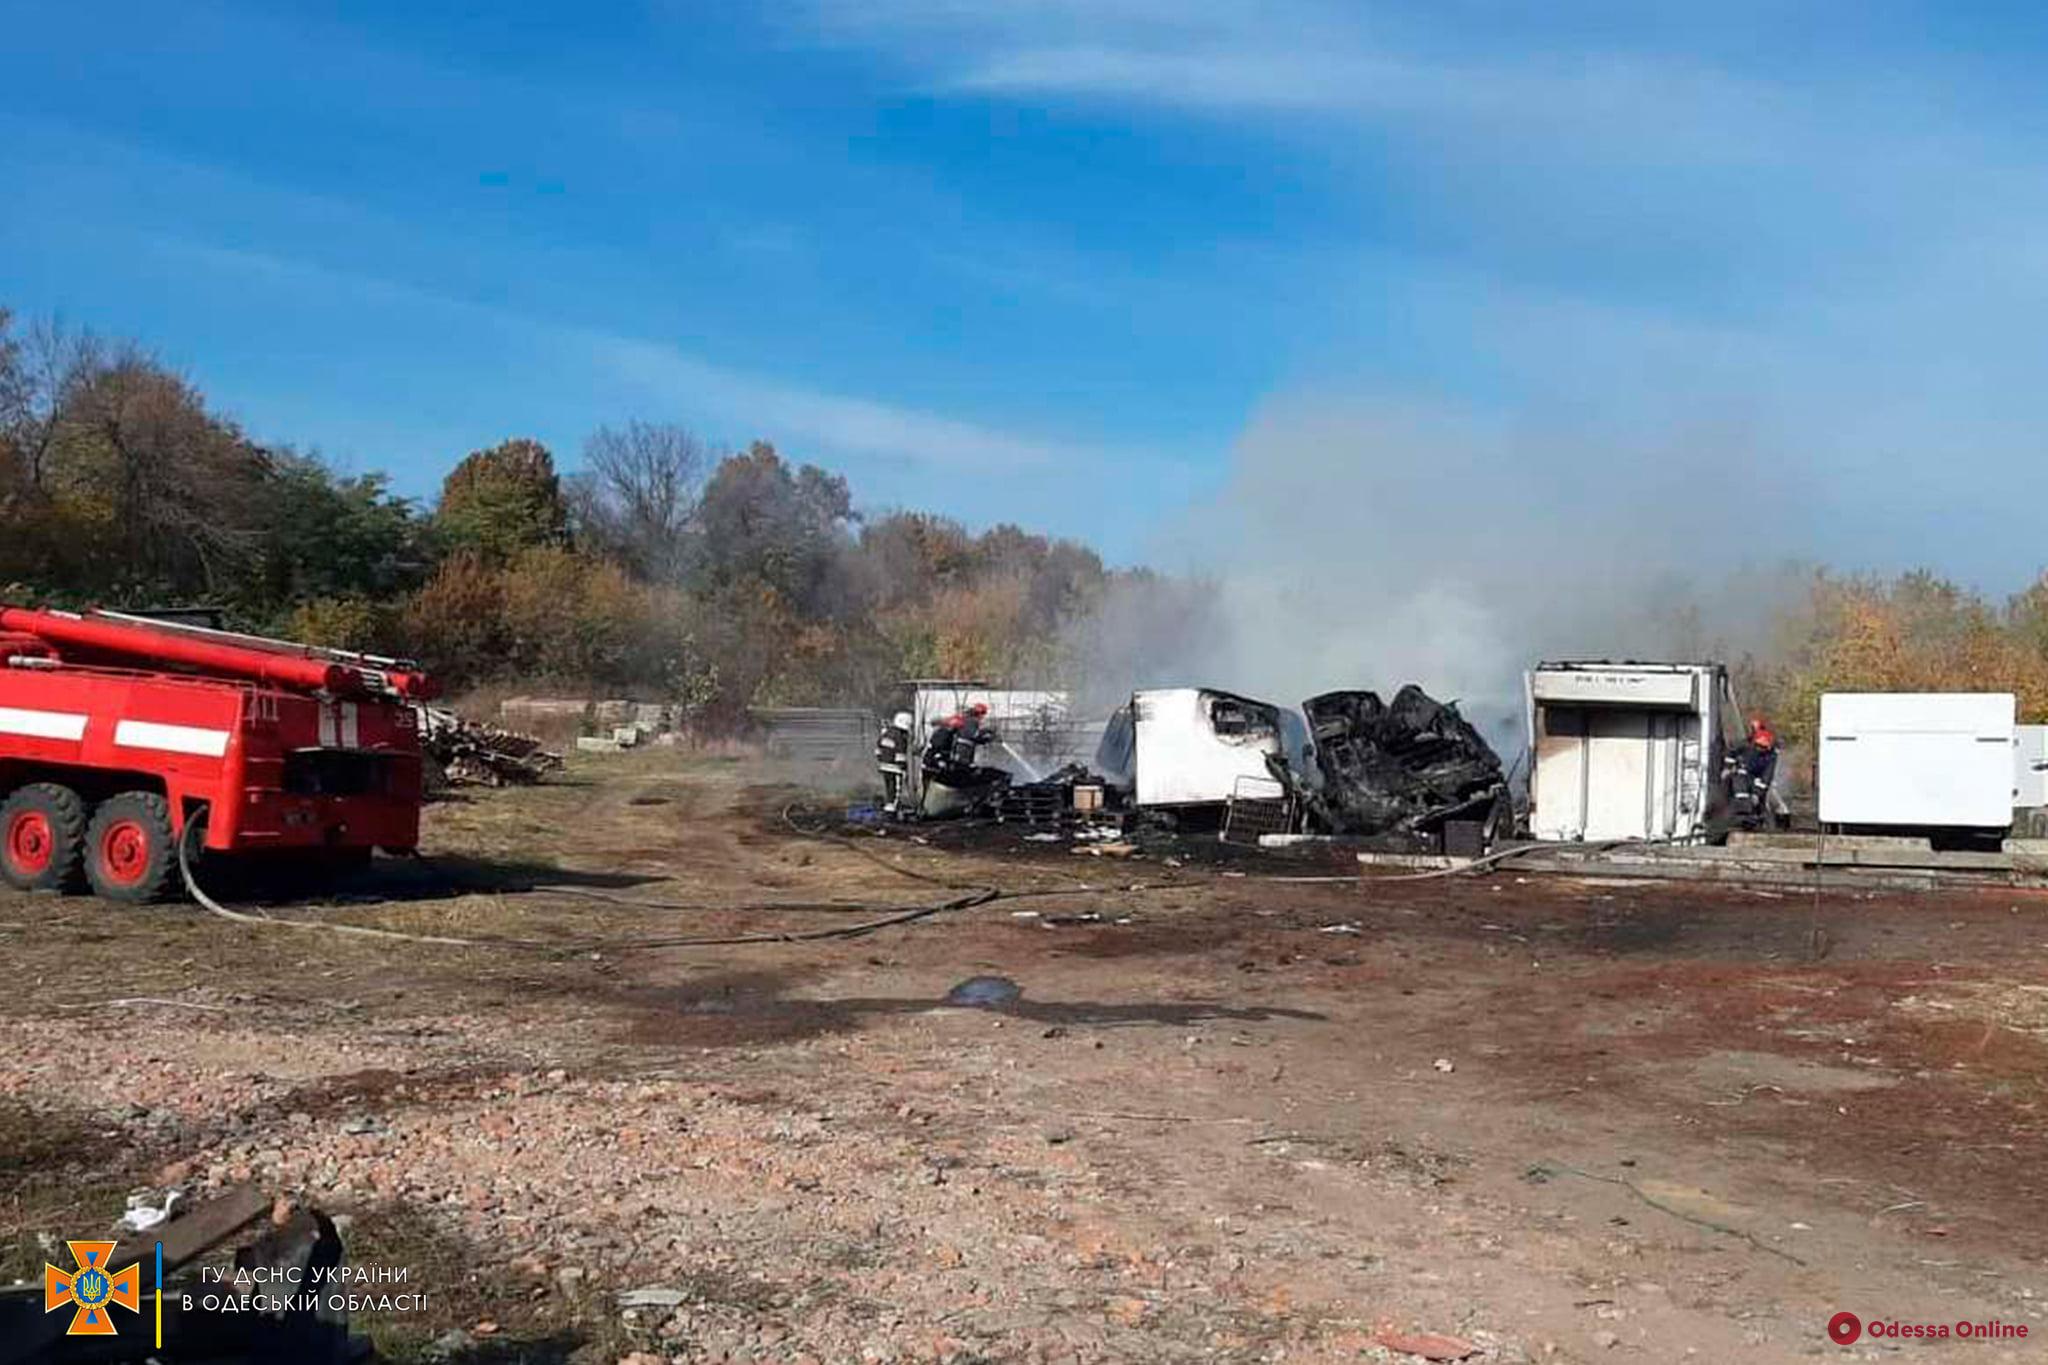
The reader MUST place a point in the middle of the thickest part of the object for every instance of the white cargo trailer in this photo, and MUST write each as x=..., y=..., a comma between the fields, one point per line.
x=2030, y=767
x=1197, y=746
x=1627, y=750
x=1917, y=760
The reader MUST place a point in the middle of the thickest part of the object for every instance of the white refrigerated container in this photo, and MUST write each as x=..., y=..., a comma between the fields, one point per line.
x=1917, y=759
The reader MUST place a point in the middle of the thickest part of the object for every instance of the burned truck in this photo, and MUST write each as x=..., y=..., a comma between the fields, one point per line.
x=1412, y=769
x=1411, y=772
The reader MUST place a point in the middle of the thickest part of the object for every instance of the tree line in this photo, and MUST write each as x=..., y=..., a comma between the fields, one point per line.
x=669, y=569
x=664, y=566
x=1913, y=632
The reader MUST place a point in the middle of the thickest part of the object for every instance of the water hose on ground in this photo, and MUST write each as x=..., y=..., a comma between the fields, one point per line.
x=887, y=915
x=900, y=915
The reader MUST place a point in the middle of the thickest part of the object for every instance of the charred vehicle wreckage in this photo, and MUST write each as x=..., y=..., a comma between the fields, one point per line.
x=1410, y=774
x=1409, y=766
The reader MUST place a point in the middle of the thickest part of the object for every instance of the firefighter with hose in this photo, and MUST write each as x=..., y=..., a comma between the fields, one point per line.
x=1752, y=776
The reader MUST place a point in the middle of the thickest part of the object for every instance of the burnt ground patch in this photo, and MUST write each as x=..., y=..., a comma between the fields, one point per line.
x=1940, y=1116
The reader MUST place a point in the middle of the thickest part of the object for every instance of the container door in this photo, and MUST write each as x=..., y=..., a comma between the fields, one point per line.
x=1620, y=774
x=1557, y=778
x=1672, y=774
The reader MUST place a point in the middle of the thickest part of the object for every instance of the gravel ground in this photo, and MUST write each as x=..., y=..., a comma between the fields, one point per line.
x=1233, y=1120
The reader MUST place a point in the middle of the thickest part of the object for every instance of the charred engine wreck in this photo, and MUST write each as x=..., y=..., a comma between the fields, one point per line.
x=1412, y=766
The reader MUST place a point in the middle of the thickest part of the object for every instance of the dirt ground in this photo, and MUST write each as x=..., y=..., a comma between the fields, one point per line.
x=1228, y=1118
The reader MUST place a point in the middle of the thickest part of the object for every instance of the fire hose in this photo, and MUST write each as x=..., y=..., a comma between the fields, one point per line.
x=899, y=915
x=887, y=916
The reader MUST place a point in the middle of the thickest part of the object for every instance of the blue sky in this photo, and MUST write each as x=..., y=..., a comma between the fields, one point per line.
x=1065, y=261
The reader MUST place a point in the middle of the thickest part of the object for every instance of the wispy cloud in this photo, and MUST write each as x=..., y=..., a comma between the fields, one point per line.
x=675, y=383
x=1302, y=56
x=848, y=425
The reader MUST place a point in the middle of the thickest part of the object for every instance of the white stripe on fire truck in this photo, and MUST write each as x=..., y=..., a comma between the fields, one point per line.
x=41, y=724
x=175, y=739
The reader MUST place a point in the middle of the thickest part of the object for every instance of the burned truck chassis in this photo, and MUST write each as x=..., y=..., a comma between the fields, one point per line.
x=1409, y=766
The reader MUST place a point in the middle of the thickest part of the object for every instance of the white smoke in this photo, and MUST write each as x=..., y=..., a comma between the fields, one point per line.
x=1372, y=544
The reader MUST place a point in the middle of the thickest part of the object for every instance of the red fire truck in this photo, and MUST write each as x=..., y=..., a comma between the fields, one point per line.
x=119, y=733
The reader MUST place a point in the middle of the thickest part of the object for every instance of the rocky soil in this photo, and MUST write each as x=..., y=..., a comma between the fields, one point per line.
x=1234, y=1119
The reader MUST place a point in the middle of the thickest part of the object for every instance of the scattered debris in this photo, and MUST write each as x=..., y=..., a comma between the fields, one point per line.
x=1061, y=800
x=467, y=752
x=1428, y=1345
x=296, y=1250
x=142, y=1215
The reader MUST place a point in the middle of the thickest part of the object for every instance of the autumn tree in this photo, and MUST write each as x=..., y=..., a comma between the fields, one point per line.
x=766, y=522
x=501, y=501
x=455, y=623
x=2026, y=616
x=169, y=495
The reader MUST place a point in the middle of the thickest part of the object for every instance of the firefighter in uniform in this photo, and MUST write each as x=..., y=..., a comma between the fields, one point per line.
x=892, y=760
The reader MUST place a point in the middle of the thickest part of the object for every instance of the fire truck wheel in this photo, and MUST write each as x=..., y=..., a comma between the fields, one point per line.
x=42, y=830
x=130, y=852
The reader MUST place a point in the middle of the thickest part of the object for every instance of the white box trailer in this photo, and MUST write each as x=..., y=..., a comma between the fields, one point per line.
x=1197, y=746
x=2030, y=767
x=1627, y=750
x=2030, y=782
x=1917, y=760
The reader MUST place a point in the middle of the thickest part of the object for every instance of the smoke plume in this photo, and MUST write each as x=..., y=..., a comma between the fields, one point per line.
x=1371, y=544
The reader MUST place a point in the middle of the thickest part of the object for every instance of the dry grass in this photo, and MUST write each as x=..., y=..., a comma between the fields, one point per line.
x=60, y=1176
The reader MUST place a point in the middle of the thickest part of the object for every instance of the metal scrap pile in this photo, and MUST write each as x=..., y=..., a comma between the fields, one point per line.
x=1406, y=765
x=468, y=752
x=1069, y=797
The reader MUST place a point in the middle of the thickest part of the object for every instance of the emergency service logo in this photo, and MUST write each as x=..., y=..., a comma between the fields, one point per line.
x=90, y=1290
